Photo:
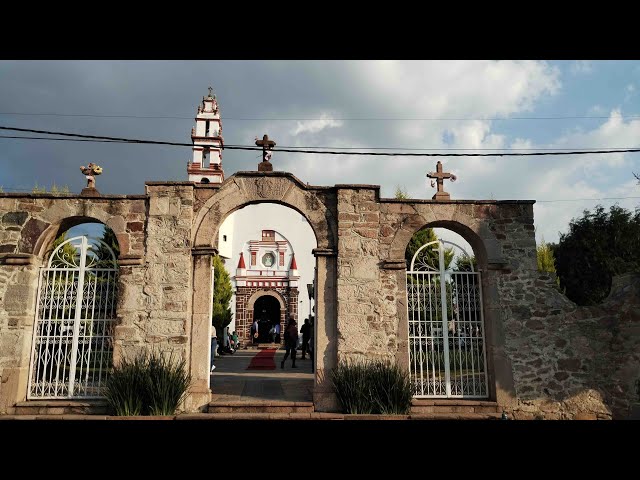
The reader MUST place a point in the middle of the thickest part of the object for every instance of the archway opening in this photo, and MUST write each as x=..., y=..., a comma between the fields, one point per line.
x=72, y=347
x=267, y=312
x=447, y=353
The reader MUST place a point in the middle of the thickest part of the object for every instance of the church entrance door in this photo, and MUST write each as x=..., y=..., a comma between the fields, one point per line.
x=267, y=312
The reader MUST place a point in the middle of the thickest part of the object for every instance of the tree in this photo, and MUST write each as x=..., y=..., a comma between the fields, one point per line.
x=464, y=263
x=222, y=291
x=108, y=237
x=546, y=259
x=422, y=237
x=598, y=246
x=401, y=193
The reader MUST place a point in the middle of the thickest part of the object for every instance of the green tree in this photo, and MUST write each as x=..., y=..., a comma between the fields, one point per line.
x=598, y=246
x=68, y=251
x=422, y=237
x=546, y=259
x=222, y=291
x=401, y=193
x=108, y=237
x=464, y=263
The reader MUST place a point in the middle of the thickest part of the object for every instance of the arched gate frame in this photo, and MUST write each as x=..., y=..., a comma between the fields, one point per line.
x=447, y=355
x=72, y=348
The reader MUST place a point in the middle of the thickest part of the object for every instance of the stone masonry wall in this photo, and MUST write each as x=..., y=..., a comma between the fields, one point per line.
x=571, y=361
x=547, y=358
x=154, y=303
x=28, y=225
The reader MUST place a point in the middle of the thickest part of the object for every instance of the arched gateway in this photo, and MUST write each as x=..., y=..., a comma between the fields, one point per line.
x=367, y=306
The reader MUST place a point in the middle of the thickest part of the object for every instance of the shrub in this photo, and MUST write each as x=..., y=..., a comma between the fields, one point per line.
x=372, y=386
x=150, y=384
x=125, y=387
x=167, y=385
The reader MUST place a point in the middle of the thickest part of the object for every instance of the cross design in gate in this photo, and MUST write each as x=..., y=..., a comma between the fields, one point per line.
x=440, y=176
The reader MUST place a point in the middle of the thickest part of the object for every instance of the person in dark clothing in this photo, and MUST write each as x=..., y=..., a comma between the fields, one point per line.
x=290, y=342
x=305, y=330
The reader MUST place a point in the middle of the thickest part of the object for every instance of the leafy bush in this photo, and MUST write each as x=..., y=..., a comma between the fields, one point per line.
x=150, y=384
x=372, y=386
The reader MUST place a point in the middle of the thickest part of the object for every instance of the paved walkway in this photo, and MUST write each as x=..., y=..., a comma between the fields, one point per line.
x=232, y=382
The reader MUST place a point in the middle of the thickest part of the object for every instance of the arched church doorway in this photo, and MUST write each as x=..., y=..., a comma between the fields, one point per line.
x=267, y=311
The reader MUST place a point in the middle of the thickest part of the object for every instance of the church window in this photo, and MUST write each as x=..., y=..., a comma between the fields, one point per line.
x=206, y=129
x=281, y=262
x=205, y=158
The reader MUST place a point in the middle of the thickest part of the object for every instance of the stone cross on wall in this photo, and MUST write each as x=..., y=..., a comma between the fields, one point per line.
x=267, y=145
x=210, y=90
x=440, y=176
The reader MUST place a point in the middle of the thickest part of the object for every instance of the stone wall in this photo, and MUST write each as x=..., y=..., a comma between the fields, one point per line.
x=571, y=361
x=28, y=226
x=546, y=357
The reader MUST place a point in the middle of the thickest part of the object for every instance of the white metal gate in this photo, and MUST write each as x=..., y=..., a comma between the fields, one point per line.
x=76, y=310
x=446, y=330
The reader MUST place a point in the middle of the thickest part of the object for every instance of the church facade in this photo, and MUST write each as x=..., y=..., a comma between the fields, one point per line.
x=534, y=353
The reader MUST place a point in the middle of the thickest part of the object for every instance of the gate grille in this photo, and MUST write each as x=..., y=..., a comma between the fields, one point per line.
x=446, y=331
x=76, y=310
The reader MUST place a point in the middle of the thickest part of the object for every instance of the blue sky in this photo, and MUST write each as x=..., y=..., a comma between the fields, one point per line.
x=318, y=98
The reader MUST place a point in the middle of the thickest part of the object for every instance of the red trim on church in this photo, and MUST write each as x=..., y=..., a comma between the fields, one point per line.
x=241, y=262
x=293, y=263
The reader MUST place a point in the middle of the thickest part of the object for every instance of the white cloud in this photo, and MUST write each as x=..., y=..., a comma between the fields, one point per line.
x=581, y=67
x=315, y=126
x=629, y=92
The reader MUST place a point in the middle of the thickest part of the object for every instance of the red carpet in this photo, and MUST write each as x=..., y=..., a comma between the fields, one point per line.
x=263, y=360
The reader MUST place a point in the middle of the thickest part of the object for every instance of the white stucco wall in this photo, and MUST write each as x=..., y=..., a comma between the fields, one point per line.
x=247, y=224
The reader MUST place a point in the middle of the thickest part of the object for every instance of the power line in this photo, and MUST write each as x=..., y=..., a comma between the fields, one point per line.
x=373, y=119
x=333, y=152
x=61, y=139
x=343, y=148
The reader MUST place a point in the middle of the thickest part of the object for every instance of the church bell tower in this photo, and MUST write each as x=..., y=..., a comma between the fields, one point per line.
x=206, y=164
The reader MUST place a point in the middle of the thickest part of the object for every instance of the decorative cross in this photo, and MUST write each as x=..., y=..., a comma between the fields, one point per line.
x=210, y=90
x=266, y=144
x=440, y=176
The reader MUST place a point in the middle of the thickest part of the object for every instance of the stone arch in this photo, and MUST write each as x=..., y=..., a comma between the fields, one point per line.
x=50, y=233
x=260, y=293
x=248, y=188
x=484, y=243
x=487, y=250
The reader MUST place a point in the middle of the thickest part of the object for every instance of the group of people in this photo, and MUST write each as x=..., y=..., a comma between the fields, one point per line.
x=229, y=345
x=291, y=339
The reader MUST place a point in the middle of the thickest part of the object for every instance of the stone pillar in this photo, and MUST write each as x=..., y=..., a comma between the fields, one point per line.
x=499, y=368
x=325, y=337
x=18, y=291
x=200, y=332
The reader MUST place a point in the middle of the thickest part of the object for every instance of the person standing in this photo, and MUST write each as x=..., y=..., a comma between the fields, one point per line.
x=290, y=342
x=214, y=347
x=305, y=330
x=254, y=332
x=277, y=332
x=234, y=338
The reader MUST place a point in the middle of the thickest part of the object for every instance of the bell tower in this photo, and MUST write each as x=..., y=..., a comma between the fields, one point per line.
x=206, y=163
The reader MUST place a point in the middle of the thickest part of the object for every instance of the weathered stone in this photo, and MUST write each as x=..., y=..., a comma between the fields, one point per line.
x=569, y=364
x=15, y=218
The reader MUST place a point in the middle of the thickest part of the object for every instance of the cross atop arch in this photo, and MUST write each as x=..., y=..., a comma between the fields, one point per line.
x=440, y=176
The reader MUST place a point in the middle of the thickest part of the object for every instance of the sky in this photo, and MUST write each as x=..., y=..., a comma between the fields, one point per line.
x=400, y=105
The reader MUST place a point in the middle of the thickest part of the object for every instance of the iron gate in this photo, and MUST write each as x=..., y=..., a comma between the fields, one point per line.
x=446, y=330
x=76, y=310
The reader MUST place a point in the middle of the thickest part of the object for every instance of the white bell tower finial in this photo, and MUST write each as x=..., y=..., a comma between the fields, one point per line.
x=206, y=163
